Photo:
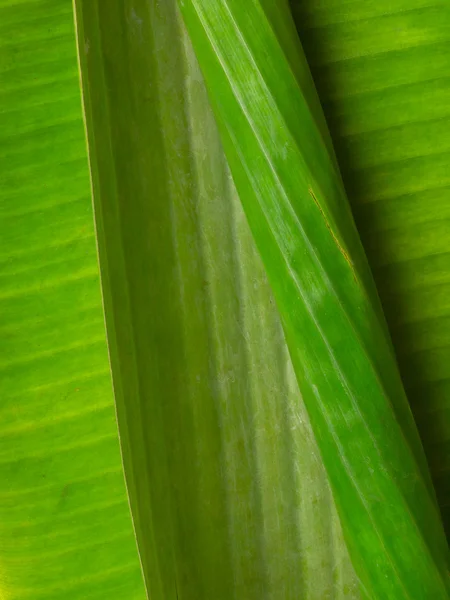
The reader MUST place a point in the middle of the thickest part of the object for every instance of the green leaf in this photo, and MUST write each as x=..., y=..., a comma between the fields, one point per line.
x=65, y=528
x=228, y=493
x=297, y=210
x=382, y=73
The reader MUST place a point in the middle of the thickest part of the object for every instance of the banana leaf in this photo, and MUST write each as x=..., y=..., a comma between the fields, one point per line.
x=297, y=210
x=65, y=526
x=363, y=371
x=227, y=490
x=381, y=69
x=226, y=483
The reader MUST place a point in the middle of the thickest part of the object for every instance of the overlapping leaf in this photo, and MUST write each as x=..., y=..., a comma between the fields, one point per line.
x=229, y=496
x=298, y=214
x=228, y=491
x=382, y=72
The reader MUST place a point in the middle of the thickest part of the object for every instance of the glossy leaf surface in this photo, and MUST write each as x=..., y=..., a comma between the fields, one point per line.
x=228, y=492
x=65, y=527
x=297, y=210
x=382, y=71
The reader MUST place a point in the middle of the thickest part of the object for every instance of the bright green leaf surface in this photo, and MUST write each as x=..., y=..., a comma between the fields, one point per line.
x=298, y=214
x=228, y=493
x=382, y=70
x=65, y=528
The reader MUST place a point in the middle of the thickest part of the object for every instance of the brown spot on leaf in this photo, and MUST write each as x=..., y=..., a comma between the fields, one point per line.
x=333, y=235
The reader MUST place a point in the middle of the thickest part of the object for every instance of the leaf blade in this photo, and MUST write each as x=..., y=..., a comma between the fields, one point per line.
x=65, y=526
x=384, y=120
x=239, y=103
x=239, y=525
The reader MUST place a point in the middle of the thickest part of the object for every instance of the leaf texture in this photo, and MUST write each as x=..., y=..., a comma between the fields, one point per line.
x=65, y=527
x=298, y=213
x=228, y=492
x=381, y=69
